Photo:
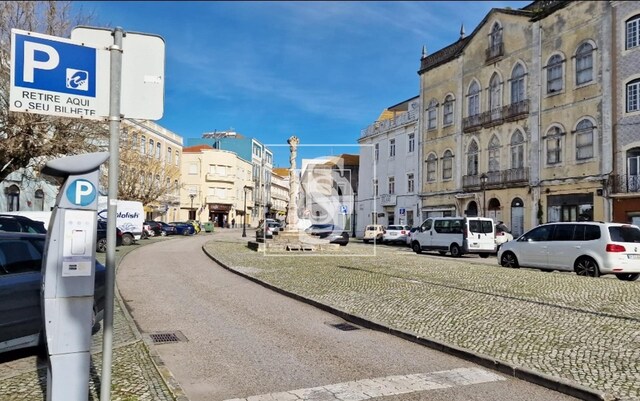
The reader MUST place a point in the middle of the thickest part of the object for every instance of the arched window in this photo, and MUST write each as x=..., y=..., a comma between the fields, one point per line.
x=474, y=99
x=472, y=158
x=432, y=114
x=447, y=111
x=584, y=140
x=517, y=217
x=151, y=143
x=494, y=154
x=177, y=158
x=39, y=200
x=134, y=141
x=495, y=39
x=584, y=64
x=495, y=93
x=517, y=150
x=447, y=165
x=168, y=156
x=432, y=167
x=554, y=74
x=633, y=170
x=632, y=32
x=554, y=145
x=13, y=198
x=158, y=150
x=518, y=93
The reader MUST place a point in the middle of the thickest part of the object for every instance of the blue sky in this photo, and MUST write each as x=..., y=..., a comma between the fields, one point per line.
x=319, y=70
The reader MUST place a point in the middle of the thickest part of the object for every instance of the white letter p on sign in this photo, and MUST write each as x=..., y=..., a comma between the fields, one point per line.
x=83, y=188
x=30, y=62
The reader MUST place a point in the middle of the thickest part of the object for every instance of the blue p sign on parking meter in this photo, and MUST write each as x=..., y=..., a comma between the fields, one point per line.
x=81, y=192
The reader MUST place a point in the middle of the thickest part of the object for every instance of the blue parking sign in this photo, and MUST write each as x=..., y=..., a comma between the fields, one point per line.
x=54, y=66
x=55, y=76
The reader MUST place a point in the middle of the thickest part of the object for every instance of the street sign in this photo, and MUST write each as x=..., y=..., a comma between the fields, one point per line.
x=143, y=58
x=343, y=209
x=55, y=76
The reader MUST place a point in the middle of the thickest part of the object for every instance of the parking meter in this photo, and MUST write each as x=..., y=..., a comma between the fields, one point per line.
x=68, y=274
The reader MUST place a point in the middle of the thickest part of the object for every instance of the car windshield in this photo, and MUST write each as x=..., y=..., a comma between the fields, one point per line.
x=624, y=233
x=371, y=228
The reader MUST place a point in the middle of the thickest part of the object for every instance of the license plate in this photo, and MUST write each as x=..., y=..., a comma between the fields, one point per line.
x=634, y=256
x=394, y=234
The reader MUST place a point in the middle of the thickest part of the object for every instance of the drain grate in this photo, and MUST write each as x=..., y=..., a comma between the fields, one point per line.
x=167, y=338
x=345, y=327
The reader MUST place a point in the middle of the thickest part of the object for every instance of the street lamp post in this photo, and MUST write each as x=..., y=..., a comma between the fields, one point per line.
x=483, y=183
x=355, y=200
x=244, y=216
x=191, y=210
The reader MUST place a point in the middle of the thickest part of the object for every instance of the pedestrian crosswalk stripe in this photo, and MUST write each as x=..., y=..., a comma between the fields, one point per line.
x=367, y=389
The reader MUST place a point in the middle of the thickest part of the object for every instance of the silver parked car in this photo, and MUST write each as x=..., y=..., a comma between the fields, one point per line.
x=587, y=248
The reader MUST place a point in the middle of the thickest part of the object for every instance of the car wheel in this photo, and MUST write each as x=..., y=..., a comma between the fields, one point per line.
x=163, y=233
x=127, y=239
x=628, y=276
x=185, y=232
x=101, y=245
x=455, y=250
x=416, y=247
x=145, y=235
x=508, y=259
x=587, y=267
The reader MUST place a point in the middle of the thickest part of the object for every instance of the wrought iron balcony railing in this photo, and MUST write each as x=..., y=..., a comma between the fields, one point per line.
x=495, y=52
x=497, y=179
x=516, y=111
x=626, y=183
x=472, y=123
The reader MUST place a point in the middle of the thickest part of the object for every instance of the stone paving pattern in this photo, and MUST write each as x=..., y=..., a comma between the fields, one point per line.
x=135, y=377
x=577, y=328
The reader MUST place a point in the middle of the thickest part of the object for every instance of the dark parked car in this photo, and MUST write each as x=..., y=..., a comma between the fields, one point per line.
x=21, y=224
x=20, y=286
x=183, y=228
x=335, y=234
x=101, y=238
x=161, y=228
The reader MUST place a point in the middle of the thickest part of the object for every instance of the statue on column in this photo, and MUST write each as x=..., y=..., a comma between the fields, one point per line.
x=292, y=208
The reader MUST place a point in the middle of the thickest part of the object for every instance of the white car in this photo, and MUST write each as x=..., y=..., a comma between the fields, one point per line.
x=396, y=233
x=588, y=248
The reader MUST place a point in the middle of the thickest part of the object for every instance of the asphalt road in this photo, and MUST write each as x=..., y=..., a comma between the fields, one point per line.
x=244, y=340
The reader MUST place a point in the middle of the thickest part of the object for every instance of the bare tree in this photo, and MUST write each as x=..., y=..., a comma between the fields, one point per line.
x=29, y=140
x=144, y=177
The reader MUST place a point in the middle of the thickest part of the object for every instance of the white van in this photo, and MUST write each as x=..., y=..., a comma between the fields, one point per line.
x=456, y=235
x=129, y=218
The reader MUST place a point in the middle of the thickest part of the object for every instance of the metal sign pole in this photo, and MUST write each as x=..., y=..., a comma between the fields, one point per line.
x=114, y=150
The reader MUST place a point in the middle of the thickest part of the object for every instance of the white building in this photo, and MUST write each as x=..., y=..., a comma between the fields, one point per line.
x=389, y=174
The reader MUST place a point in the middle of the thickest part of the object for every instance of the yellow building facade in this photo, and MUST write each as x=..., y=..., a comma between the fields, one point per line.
x=516, y=123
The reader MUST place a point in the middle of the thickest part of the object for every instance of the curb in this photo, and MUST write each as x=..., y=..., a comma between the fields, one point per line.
x=564, y=386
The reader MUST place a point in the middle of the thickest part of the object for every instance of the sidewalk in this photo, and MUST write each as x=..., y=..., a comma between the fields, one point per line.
x=575, y=334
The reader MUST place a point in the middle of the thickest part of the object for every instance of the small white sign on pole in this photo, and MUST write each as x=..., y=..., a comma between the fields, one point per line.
x=57, y=76
x=143, y=60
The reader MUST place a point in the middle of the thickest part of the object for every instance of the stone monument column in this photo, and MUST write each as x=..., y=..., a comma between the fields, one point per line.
x=292, y=209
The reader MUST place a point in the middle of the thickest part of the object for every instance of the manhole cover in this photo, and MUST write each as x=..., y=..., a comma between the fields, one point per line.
x=167, y=338
x=345, y=327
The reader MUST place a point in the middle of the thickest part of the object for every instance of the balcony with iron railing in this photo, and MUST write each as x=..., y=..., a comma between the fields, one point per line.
x=494, y=52
x=497, y=179
x=386, y=125
x=492, y=118
x=623, y=184
x=472, y=123
x=516, y=111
